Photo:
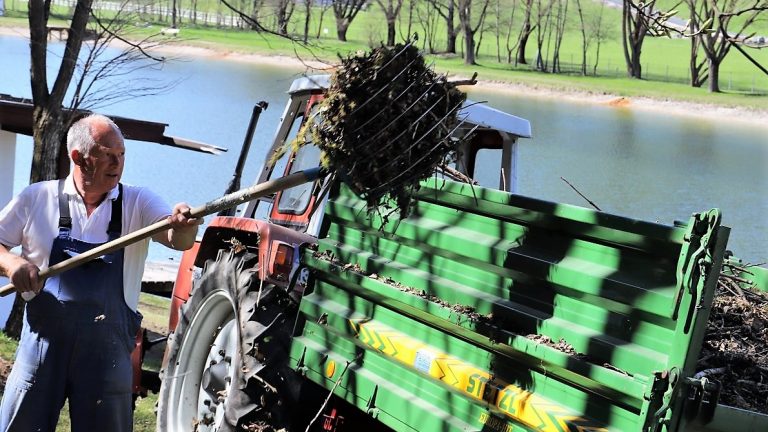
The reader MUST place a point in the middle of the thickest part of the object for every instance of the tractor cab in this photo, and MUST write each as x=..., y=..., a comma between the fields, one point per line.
x=252, y=262
x=488, y=157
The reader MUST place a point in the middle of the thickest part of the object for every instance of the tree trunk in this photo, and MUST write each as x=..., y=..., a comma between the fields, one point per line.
x=50, y=131
x=450, y=45
x=391, y=31
x=320, y=22
x=525, y=33
x=633, y=31
x=469, y=47
x=308, y=15
x=635, y=68
x=49, y=121
x=341, y=29
x=714, y=76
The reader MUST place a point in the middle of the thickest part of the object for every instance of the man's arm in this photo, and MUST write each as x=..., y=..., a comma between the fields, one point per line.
x=23, y=274
x=183, y=230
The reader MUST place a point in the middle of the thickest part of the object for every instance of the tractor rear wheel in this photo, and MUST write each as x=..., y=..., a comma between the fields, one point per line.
x=226, y=367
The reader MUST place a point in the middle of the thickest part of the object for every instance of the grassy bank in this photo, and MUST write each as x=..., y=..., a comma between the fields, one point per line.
x=665, y=60
x=155, y=311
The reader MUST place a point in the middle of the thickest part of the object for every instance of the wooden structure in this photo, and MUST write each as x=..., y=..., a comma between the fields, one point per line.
x=62, y=32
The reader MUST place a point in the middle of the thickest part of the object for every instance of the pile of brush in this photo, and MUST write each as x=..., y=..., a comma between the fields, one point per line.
x=391, y=107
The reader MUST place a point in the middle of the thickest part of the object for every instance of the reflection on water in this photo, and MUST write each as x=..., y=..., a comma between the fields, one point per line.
x=640, y=164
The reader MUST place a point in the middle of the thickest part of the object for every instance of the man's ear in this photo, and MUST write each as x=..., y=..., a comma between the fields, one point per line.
x=77, y=157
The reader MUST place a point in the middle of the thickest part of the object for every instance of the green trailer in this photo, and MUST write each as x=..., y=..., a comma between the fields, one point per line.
x=482, y=310
x=489, y=311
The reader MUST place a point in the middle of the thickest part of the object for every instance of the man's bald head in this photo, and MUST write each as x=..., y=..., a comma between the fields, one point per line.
x=88, y=131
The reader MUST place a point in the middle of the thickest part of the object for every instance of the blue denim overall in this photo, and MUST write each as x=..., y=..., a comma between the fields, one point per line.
x=75, y=344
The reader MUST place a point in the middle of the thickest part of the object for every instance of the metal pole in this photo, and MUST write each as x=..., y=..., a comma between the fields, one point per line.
x=234, y=184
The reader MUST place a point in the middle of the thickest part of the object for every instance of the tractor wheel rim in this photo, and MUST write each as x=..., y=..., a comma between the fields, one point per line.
x=206, y=366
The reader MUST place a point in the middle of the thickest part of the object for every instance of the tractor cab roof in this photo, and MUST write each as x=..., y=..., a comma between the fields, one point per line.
x=473, y=113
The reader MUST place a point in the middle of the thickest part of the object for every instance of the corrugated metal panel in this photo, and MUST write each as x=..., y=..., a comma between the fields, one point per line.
x=489, y=310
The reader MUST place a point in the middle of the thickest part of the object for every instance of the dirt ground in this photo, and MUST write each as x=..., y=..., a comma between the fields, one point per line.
x=5, y=369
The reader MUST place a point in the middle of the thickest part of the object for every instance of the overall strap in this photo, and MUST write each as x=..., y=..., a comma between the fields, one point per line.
x=65, y=221
x=116, y=223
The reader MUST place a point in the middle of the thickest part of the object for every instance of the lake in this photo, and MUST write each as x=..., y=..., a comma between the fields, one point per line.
x=642, y=164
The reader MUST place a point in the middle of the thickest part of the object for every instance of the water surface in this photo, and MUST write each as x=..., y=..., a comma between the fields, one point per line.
x=645, y=165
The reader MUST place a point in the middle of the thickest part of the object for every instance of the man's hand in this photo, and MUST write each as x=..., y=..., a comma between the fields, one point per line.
x=183, y=230
x=24, y=275
x=180, y=219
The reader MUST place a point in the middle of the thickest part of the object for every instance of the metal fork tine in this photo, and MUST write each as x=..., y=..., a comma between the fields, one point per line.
x=384, y=87
x=405, y=91
x=394, y=183
x=425, y=134
x=397, y=160
x=394, y=140
x=399, y=116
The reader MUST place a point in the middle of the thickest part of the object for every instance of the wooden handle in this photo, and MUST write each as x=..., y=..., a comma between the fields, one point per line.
x=231, y=200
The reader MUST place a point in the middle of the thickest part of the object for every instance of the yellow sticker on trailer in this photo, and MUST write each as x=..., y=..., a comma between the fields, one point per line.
x=521, y=405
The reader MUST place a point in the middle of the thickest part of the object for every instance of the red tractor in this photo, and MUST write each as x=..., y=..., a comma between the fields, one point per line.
x=236, y=293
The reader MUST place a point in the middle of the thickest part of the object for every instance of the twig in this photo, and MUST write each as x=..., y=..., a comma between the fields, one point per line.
x=736, y=279
x=730, y=286
x=581, y=194
x=327, y=399
x=738, y=268
x=471, y=81
x=456, y=174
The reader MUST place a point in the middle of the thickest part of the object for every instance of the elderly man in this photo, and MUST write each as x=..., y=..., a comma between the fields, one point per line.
x=79, y=327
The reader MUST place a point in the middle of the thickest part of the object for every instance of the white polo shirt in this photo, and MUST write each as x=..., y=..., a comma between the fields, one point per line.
x=31, y=221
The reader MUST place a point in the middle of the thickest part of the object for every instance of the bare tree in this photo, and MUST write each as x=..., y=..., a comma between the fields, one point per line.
x=597, y=31
x=469, y=28
x=391, y=9
x=720, y=31
x=324, y=6
x=525, y=32
x=345, y=12
x=584, y=41
x=696, y=65
x=174, y=12
x=427, y=18
x=447, y=10
x=641, y=19
x=542, y=26
x=633, y=30
x=561, y=15
x=409, y=24
x=93, y=81
x=508, y=45
x=502, y=25
x=283, y=13
x=195, y=12
x=307, y=18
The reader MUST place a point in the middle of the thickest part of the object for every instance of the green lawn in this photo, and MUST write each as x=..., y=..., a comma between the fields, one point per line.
x=144, y=416
x=664, y=60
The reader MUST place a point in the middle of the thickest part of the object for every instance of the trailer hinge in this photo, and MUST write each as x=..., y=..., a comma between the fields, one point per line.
x=701, y=399
x=695, y=261
x=659, y=398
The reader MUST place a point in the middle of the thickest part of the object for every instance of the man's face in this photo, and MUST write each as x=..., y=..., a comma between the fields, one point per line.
x=103, y=167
